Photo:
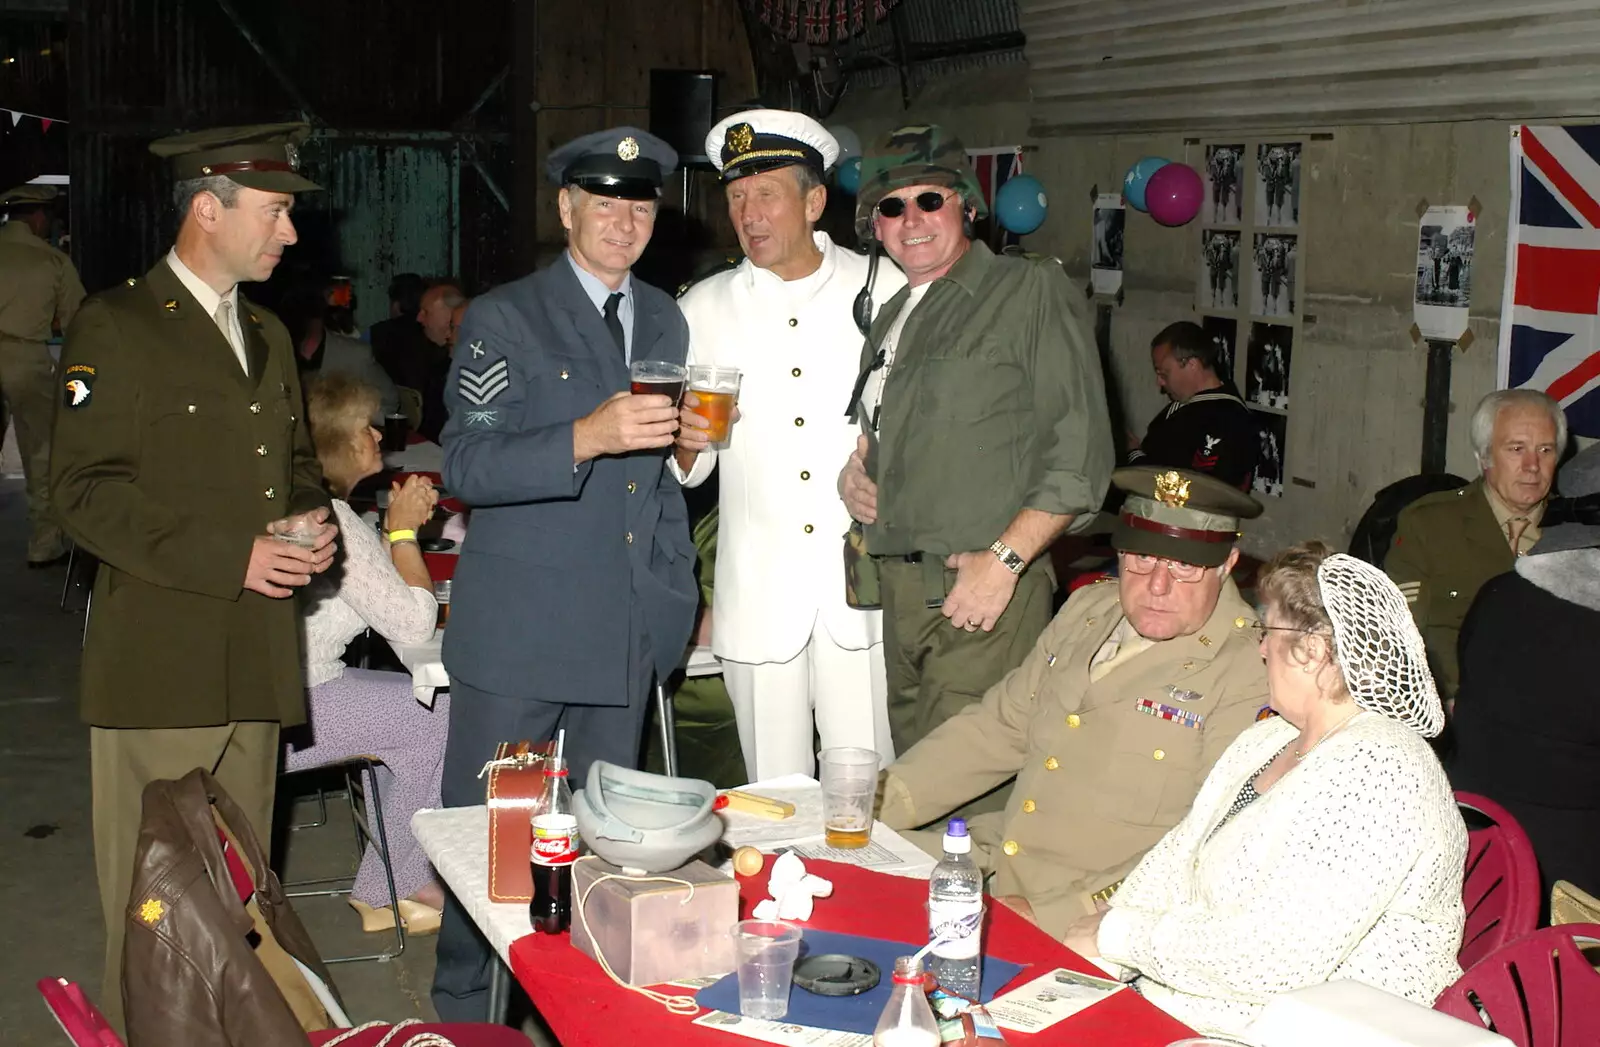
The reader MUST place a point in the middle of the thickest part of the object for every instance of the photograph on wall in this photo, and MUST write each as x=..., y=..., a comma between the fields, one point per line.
x=1218, y=285
x=1224, y=332
x=1269, y=464
x=1278, y=184
x=1224, y=184
x=1267, y=366
x=1105, y=265
x=1272, y=276
x=1444, y=272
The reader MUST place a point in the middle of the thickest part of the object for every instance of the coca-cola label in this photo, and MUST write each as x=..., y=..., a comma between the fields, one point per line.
x=555, y=839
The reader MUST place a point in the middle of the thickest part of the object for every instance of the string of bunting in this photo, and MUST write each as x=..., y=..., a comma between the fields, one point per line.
x=820, y=20
x=44, y=121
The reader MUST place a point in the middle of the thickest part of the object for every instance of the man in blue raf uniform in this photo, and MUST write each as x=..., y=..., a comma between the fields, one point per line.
x=576, y=586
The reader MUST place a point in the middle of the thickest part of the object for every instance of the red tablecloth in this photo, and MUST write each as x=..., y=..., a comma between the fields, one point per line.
x=584, y=1008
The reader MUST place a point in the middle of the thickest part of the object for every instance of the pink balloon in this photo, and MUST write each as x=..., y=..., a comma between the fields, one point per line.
x=1174, y=194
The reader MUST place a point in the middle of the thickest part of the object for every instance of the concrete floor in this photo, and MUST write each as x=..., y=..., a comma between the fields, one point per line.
x=50, y=924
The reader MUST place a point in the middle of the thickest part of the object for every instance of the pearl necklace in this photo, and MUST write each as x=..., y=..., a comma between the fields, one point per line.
x=1301, y=755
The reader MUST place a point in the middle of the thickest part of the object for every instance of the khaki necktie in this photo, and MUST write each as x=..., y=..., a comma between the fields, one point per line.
x=224, y=318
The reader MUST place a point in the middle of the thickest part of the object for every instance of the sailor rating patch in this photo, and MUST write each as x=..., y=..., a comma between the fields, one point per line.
x=79, y=386
x=480, y=387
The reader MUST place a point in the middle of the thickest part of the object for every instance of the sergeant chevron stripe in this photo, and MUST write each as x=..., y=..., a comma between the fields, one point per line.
x=479, y=387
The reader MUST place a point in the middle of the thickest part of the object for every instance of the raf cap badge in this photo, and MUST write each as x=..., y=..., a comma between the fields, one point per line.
x=628, y=148
x=741, y=137
x=1172, y=489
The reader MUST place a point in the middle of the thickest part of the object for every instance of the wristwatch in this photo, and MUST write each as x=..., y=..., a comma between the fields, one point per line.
x=1008, y=557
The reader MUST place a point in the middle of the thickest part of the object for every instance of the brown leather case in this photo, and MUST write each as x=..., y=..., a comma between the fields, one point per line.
x=516, y=781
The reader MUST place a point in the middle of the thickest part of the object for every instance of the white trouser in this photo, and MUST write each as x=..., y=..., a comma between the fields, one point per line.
x=773, y=703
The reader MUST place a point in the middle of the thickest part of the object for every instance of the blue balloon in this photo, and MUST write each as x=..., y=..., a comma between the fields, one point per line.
x=1020, y=205
x=1137, y=178
x=848, y=175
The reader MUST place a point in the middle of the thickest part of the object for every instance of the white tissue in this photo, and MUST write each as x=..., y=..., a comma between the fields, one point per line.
x=793, y=890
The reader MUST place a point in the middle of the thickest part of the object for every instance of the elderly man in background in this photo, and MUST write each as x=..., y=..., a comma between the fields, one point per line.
x=39, y=292
x=1116, y=716
x=789, y=643
x=1206, y=427
x=985, y=434
x=1448, y=544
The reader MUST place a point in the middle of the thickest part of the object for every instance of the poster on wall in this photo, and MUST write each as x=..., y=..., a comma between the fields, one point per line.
x=1272, y=274
x=1224, y=332
x=1269, y=463
x=1267, y=366
x=1224, y=184
x=1444, y=271
x=1278, y=184
x=1218, y=282
x=1105, y=258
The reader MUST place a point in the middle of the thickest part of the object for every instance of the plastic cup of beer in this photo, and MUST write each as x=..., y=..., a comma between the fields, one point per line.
x=658, y=378
x=766, y=951
x=849, y=783
x=717, y=389
x=441, y=593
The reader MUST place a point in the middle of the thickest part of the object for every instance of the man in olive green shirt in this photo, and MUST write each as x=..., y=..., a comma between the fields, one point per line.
x=985, y=434
x=39, y=291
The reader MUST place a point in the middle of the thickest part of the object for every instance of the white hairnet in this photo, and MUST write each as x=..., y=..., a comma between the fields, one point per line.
x=1378, y=647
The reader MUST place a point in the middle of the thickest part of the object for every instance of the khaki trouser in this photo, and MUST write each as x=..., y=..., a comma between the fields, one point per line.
x=242, y=756
x=936, y=669
x=28, y=381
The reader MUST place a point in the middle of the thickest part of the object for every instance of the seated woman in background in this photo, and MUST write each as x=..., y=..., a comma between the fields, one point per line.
x=383, y=586
x=1325, y=843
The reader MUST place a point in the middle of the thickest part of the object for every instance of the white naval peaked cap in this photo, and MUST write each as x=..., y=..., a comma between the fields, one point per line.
x=764, y=139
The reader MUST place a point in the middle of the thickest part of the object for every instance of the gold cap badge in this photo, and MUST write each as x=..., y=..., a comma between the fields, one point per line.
x=1172, y=489
x=741, y=137
x=628, y=148
x=152, y=911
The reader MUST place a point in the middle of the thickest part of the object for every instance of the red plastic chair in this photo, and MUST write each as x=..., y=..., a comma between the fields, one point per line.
x=79, y=1018
x=1539, y=991
x=1501, y=889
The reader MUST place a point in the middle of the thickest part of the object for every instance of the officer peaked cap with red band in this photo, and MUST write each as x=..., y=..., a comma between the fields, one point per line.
x=1179, y=515
x=264, y=156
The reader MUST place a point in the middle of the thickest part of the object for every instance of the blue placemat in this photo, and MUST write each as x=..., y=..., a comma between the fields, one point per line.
x=848, y=1013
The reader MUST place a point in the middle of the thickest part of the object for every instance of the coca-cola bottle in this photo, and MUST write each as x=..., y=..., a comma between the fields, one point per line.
x=555, y=848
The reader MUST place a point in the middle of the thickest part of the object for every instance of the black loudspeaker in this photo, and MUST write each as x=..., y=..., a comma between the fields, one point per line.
x=683, y=107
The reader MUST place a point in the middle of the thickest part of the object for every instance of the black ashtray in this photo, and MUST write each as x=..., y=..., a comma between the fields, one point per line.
x=834, y=974
x=437, y=545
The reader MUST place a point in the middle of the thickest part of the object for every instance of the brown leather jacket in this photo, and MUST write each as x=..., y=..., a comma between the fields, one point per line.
x=200, y=967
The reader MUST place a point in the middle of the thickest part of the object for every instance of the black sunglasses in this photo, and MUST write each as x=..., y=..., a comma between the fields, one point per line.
x=895, y=206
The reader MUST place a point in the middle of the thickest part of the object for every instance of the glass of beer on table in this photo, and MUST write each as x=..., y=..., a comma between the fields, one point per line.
x=717, y=389
x=849, y=783
x=657, y=377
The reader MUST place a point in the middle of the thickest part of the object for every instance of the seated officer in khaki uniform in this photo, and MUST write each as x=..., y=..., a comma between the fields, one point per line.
x=1115, y=717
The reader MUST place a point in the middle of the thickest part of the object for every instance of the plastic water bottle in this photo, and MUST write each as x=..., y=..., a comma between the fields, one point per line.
x=955, y=913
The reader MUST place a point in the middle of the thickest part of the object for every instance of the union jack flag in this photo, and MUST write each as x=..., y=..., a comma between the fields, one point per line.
x=994, y=167
x=1550, y=320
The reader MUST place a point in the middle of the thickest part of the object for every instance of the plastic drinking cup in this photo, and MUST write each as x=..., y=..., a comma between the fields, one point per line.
x=717, y=389
x=301, y=532
x=849, y=783
x=766, y=950
x=657, y=377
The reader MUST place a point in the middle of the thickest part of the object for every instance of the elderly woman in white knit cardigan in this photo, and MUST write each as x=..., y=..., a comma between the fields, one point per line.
x=1325, y=843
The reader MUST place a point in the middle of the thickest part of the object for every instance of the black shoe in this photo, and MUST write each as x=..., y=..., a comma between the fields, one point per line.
x=54, y=561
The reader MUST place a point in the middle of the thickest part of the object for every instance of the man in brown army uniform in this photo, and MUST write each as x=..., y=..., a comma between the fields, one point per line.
x=180, y=451
x=39, y=290
x=1114, y=719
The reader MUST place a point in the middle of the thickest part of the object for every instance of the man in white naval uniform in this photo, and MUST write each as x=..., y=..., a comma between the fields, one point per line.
x=790, y=646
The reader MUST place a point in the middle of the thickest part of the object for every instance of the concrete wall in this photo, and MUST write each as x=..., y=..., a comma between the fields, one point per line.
x=1355, y=421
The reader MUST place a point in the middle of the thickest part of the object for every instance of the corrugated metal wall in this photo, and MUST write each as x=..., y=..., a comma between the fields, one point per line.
x=1200, y=64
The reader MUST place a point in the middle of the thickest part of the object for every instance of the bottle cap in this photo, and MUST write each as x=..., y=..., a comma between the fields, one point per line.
x=956, y=840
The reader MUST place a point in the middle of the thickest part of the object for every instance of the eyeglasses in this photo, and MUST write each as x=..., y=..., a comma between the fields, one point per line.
x=1137, y=563
x=1261, y=630
x=928, y=202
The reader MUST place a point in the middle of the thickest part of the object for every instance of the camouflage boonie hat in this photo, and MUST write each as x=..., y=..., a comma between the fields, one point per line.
x=918, y=154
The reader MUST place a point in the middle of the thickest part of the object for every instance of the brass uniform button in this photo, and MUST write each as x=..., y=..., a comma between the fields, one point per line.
x=1074, y=720
x=255, y=408
x=271, y=493
x=1160, y=754
x=1011, y=847
x=795, y=372
x=131, y=281
x=799, y=422
x=628, y=537
x=193, y=409
x=632, y=487
x=1028, y=806
x=1051, y=763
x=564, y=374
x=1239, y=623
x=1187, y=666
x=809, y=528
x=1089, y=622
x=805, y=474
x=261, y=450
x=793, y=322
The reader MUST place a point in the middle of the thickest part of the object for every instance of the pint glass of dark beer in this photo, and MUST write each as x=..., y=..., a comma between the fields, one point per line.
x=395, y=428
x=657, y=377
